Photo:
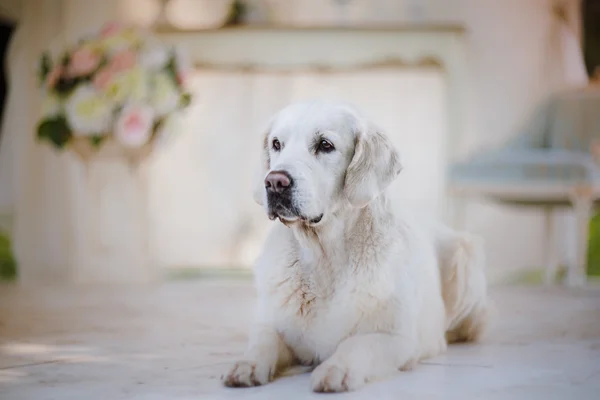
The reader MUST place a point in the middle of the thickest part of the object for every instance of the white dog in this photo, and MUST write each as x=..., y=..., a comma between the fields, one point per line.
x=345, y=282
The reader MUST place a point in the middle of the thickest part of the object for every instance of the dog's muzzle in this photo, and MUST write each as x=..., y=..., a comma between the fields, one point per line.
x=280, y=199
x=280, y=186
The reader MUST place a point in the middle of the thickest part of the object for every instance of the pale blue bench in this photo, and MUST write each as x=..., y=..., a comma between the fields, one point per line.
x=554, y=162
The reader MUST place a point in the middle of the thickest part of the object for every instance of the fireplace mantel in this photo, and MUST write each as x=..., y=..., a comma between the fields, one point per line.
x=269, y=46
x=279, y=49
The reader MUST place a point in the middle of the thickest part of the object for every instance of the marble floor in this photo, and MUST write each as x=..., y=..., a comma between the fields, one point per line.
x=175, y=341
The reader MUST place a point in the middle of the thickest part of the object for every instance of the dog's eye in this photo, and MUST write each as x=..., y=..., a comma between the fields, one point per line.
x=276, y=145
x=325, y=146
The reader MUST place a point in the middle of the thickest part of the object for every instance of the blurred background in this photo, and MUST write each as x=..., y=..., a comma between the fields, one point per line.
x=446, y=79
x=129, y=277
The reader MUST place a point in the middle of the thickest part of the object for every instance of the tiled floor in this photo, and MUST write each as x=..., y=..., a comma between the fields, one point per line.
x=174, y=342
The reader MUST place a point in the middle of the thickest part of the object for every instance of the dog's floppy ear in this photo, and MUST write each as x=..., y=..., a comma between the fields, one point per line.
x=375, y=164
x=261, y=171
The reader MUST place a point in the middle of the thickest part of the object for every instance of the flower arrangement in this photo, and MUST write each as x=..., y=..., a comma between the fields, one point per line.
x=120, y=83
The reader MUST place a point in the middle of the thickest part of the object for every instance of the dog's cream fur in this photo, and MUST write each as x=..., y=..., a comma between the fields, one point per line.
x=367, y=290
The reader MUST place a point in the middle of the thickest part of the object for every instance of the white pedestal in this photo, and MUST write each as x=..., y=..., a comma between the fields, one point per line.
x=111, y=243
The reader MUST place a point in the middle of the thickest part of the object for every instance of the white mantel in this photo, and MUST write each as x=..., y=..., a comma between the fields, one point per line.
x=277, y=49
x=269, y=46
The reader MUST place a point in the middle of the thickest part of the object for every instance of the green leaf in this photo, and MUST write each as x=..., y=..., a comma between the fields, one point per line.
x=66, y=58
x=65, y=86
x=8, y=265
x=97, y=140
x=56, y=130
x=45, y=66
x=43, y=130
x=171, y=68
x=237, y=12
x=157, y=125
x=186, y=100
x=593, y=261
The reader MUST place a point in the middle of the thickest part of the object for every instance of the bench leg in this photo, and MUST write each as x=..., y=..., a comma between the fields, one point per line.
x=550, y=252
x=583, y=206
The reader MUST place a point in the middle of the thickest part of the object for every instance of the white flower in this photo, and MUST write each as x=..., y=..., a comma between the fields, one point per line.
x=88, y=111
x=154, y=57
x=134, y=125
x=129, y=86
x=165, y=97
x=51, y=105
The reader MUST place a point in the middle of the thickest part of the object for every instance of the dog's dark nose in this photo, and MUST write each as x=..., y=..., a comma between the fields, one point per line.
x=278, y=181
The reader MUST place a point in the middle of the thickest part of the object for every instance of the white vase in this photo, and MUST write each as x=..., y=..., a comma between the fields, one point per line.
x=111, y=240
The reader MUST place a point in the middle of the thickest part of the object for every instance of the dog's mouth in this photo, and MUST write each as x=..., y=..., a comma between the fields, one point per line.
x=283, y=218
x=284, y=209
x=316, y=220
x=283, y=212
x=287, y=218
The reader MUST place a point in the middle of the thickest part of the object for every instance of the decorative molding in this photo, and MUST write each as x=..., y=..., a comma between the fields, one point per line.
x=426, y=27
x=391, y=63
x=335, y=49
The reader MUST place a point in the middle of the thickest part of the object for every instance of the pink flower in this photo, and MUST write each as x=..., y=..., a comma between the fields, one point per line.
x=111, y=29
x=102, y=78
x=134, y=126
x=83, y=62
x=182, y=78
x=183, y=67
x=54, y=76
x=122, y=61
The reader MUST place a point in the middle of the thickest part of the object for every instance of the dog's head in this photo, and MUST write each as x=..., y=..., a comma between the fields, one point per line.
x=320, y=157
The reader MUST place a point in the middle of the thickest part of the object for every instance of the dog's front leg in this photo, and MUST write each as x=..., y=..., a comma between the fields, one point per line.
x=267, y=354
x=361, y=358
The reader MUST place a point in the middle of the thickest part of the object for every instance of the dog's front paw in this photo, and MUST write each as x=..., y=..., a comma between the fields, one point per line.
x=336, y=377
x=247, y=374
